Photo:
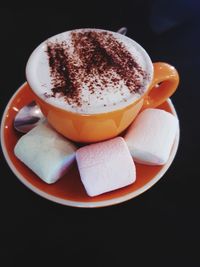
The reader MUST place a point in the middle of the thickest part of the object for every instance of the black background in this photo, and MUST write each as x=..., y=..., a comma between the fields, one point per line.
x=159, y=227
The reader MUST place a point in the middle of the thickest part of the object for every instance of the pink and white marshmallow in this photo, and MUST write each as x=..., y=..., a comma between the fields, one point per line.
x=151, y=136
x=105, y=166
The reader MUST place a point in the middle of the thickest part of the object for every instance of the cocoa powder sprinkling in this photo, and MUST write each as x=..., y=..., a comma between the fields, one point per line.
x=95, y=54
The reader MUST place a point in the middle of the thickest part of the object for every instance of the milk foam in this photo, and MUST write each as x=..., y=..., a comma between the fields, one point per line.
x=103, y=99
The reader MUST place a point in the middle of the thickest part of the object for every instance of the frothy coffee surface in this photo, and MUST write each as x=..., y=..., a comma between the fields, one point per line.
x=91, y=71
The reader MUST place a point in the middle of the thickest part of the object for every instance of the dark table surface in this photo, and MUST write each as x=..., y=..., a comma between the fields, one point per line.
x=159, y=227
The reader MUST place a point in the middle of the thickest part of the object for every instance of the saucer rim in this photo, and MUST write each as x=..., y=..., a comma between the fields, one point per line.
x=85, y=204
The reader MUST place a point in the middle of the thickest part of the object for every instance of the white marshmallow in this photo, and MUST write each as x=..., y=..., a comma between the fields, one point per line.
x=151, y=136
x=105, y=166
x=45, y=152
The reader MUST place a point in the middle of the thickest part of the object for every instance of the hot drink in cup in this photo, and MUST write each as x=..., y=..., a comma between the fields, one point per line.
x=91, y=84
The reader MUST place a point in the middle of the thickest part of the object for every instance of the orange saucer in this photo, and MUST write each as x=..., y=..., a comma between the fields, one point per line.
x=69, y=189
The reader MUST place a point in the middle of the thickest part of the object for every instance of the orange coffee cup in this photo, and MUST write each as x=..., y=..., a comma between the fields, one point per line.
x=88, y=128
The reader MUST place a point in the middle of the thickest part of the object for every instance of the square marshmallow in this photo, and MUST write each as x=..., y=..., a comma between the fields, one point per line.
x=105, y=166
x=45, y=152
x=151, y=136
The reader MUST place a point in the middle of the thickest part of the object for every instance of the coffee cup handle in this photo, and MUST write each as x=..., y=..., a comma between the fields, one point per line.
x=164, y=84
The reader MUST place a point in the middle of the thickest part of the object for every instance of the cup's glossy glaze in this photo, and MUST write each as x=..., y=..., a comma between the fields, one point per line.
x=89, y=128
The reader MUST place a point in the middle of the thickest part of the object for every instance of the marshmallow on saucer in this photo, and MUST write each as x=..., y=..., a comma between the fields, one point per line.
x=105, y=166
x=45, y=152
x=151, y=136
